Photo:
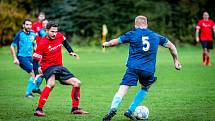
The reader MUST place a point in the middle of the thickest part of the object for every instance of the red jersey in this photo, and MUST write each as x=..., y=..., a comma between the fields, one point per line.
x=37, y=26
x=49, y=52
x=205, y=29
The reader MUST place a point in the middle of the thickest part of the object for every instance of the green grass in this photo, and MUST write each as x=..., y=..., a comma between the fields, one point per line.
x=186, y=95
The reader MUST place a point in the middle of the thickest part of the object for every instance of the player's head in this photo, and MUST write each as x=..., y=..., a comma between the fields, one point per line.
x=141, y=22
x=41, y=16
x=27, y=24
x=51, y=30
x=206, y=15
x=44, y=22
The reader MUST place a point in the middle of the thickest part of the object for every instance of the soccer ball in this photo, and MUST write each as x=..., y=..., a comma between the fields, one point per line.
x=141, y=112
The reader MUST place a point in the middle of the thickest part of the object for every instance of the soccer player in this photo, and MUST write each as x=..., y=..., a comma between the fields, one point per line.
x=140, y=65
x=24, y=43
x=49, y=52
x=37, y=26
x=205, y=27
x=42, y=32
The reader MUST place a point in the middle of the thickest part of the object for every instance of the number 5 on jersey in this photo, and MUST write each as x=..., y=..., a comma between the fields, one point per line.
x=146, y=43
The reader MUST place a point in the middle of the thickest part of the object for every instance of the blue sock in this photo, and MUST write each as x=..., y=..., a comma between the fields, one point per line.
x=30, y=86
x=116, y=101
x=137, y=99
x=38, y=83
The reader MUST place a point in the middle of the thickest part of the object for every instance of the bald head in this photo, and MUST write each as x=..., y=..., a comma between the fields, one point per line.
x=141, y=22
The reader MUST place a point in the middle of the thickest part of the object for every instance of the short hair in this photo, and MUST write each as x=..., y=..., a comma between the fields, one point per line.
x=42, y=13
x=51, y=24
x=26, y=19
x=141, y=19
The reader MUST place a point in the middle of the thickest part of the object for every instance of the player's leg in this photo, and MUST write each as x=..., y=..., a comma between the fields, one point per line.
x=146, y=79
x=204, y=52
x=117, y=99
x=44, y=95
x=204, y=56
x=129, y=79
x=75, y=95
x=26, y=64
x=67, y=78
x=208, y=58
x=36, y=88
x=209, y=46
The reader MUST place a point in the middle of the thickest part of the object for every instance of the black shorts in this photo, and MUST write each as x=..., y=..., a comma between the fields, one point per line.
x=207, y=44
x=61, y=73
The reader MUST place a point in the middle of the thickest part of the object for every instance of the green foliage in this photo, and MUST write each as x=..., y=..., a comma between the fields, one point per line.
x=12, y=15
x=84, y=18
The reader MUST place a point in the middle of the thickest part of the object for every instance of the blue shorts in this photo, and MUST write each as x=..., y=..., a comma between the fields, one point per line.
x=132, y=76
x=61, y=73
x=207, y=44
x=26, y=63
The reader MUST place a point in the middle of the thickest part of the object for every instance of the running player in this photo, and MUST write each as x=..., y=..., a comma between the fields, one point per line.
x=49, y=52
x=205, y=27
x=140, y=65
x=24, y=43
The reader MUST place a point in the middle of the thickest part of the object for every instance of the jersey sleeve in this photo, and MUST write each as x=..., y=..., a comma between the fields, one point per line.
x=38, y=52
x=125, y=38
x=16, y=39
x=61, y=36
x=198, y=26
x=163, y=41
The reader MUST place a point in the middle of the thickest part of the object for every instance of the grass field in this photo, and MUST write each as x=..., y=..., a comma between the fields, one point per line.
x=186, y=95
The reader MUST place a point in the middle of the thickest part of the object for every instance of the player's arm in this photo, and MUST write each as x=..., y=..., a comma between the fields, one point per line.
x=197, y=34
x=174, y=54
x=111, y=43
x=13, y=53
x=12, y=48
x=69, y=49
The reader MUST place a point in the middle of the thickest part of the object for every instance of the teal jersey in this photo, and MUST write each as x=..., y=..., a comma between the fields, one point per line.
x=25, y=43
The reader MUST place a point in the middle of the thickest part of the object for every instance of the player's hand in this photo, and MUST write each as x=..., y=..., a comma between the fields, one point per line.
x=106, y=44
x=16, y=61
x=36, y=77
x=178, y=65
x=75, y=55
x=40, y=70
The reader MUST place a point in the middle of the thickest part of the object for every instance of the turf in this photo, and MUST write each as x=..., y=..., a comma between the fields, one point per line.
x=186, y=95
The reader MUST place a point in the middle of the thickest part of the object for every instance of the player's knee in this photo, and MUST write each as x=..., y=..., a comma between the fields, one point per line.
x=51, y=84
x=77, y=83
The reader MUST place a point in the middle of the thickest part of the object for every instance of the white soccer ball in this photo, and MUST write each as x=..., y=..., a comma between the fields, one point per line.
x=141, y=112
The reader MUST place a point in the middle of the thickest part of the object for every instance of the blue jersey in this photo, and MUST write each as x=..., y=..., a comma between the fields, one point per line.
x=24, y=43
x=42, y=33
x=143, y=48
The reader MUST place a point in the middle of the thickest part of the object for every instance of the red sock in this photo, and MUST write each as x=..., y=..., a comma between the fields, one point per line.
x=44, y=96
x=208, y=60
x=75, y=95
x=204, y=57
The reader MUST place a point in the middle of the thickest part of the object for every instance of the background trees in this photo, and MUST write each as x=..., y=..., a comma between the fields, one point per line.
x=82, y=20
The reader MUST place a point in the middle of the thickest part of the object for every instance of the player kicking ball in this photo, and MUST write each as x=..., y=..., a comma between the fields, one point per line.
x=49, y=53
x=140, y=65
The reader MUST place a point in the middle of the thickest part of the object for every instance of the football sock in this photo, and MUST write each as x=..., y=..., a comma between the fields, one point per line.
x=38, y=83
x=116, y=101
x=208, y=60
x=30, y=86
x=203, y=58
x=138, y=99
x=44, y=96
x=75, y=95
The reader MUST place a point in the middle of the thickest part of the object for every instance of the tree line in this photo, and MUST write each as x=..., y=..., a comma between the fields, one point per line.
x=82, y=20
